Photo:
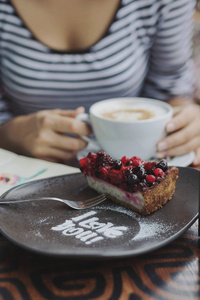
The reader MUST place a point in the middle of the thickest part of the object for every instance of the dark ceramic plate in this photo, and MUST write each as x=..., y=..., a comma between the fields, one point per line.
x=104, y=231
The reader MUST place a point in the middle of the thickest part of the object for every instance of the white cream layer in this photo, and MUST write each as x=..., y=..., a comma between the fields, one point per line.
x=135, y=199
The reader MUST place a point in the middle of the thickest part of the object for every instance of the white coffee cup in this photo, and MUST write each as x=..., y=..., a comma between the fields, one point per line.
x=128, y=134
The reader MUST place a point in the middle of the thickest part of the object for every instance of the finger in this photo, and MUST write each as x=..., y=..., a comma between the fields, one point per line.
x=180, y=137
x=55, y=155
x=181, y=149
x=177, y=110
x=196, y=160
x=65, y=124
x=67, y=143
x=181, y=118
x=69, y=112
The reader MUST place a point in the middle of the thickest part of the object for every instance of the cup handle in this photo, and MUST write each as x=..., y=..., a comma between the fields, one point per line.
x=86, y=118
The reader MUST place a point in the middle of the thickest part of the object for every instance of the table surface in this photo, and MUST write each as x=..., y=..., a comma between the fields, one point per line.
x=169, y=273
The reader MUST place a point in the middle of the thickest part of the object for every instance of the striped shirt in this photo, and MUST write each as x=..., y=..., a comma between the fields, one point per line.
x=146, y=52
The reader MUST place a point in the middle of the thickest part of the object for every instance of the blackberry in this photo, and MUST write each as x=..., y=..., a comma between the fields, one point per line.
x=159, y=179
x=162, y=165
x=152, y=184
x=141, y=172
x=103, y=159
x=117, y=165
x=132, y=179
x=129, y=171
x=142, y=186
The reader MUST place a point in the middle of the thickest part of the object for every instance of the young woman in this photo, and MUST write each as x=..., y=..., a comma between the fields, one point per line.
x=57, y=57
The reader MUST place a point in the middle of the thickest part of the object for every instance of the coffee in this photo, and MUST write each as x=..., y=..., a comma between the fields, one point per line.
x=129, y=114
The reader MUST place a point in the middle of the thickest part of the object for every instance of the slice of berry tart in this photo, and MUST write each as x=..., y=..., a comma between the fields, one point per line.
x=141, y=186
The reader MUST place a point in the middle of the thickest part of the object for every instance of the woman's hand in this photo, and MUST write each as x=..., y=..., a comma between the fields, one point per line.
x=184, y=133
x=44, y=134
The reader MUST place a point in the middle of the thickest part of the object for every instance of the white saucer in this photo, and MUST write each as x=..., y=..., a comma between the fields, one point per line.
x=178, y=161
x=182, y=160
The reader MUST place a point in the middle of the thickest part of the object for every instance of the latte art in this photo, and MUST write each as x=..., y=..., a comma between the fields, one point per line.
x=129, y=114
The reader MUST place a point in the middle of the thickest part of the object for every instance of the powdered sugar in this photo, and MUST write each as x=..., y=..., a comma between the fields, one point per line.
x=148, y=226
x=149, y=229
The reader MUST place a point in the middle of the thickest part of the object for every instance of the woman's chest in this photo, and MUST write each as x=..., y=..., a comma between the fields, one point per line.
x=67, y=25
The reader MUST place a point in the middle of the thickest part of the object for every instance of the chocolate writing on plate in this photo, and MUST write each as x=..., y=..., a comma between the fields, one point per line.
x=88, y=229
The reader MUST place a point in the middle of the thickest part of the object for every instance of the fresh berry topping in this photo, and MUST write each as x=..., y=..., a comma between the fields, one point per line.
x=103, y=173
x=97, y=171
x=158, y=172
x=136, y=161
x=123, y=186
x=132, y=179
x=103, y=159
x=150, y=165
x=162, y=165
x=83, y=162
x=142, y=186
x=128, y=174
x=117, y=165
x=124, y=160
x=129, y=171
x=132, y=188
x=116, y=176
x=159, y=179
x=92, y=155
x=141, y=173
x=150, y=178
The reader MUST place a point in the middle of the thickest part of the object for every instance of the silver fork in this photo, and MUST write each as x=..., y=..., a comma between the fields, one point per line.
x=76, y=204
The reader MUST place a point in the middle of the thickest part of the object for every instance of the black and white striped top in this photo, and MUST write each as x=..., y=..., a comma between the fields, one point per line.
x=146, y=52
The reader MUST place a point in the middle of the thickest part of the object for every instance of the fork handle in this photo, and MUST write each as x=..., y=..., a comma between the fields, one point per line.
x=9, y=201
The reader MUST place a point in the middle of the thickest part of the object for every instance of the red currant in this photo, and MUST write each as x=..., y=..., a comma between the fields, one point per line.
x=151, y=178
x=158, y=172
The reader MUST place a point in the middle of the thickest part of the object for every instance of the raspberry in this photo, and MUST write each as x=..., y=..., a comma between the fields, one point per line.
x=103, y=159
x=150, y=165
x=136, y=161
x=150, y=178
x=158, y=172
x=124, y=160
x=83, y=162
x=103, y=173
x=115, y=176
